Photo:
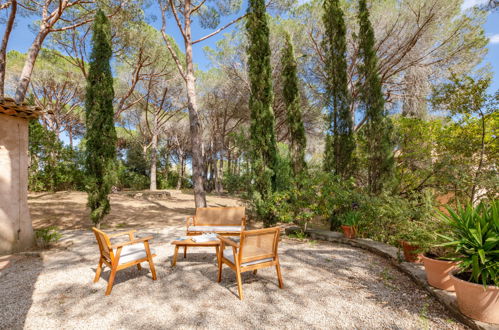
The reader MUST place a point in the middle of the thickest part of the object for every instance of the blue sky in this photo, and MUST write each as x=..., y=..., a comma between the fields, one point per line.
x=22, y=37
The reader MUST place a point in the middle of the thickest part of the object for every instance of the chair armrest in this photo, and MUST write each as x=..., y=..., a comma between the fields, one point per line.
x=138, y=240
x=228, y=241
x=123, y=233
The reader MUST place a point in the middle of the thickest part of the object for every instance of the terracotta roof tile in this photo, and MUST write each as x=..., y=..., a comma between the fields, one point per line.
x=9, y=107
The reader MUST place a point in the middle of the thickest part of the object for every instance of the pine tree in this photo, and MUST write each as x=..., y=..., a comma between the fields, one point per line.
x=263, y=152
x=378, y=128
x=291, y=95
x=340, y=142
x=100, y=135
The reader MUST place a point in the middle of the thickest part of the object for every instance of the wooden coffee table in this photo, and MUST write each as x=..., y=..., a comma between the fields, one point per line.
x=190, y=243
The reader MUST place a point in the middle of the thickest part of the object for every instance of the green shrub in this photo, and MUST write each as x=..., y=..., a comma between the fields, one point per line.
x=169, y=181
x=48, y=235
x=475, y=237
x=235, y=183
x=136, y=181
x=275, y=208
x=386, y=218
x=350, y=218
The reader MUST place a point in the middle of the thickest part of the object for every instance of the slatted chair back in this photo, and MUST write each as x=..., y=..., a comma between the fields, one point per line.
x=104, y=244
x=258, y=244
x=219, y=216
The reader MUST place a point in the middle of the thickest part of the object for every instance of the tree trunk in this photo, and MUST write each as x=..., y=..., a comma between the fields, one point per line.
x=3, y=48
x=154, y=153
x=70, y=135
x=194, y=122
x=25, y=77
x=220, y=174
x=215, y=174
x=180, y=173
x=229, y=163
x=480, y=163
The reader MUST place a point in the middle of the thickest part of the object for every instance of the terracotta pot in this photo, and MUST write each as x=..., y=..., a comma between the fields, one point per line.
x=410, y=253
x=438, y=272
x=477, y=302
x=349, y=231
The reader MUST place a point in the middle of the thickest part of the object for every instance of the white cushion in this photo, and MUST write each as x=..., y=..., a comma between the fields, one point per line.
x=228, y=254
x=215, y=228
x=133, y=252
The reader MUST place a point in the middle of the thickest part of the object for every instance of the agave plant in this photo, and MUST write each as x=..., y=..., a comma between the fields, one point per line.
x=350, y=218
x=475, y=238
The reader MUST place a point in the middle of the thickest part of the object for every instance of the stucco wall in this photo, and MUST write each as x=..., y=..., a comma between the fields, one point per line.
x=16, y=231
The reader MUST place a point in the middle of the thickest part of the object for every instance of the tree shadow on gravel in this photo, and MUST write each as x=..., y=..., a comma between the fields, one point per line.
x=17, y=285
x=385, y=284
x=318, y=281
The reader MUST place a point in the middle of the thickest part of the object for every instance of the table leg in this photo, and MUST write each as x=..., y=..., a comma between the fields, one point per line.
x=174, y=259
x=219, y=260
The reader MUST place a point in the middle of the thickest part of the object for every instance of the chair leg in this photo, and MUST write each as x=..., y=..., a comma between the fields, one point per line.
x=139, y=267
x=111, y=281
x=254, y=271
x=98, y=271
x=279, y=276
x=185, y=251
x=174, y=258
x=153, y=270
x=220, y=264
x=239, y=284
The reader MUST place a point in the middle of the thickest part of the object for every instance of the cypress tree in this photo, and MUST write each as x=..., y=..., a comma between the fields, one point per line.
x=291, y=96
x=100, y=135
x=378, y=128
x=263, y=143
x=340, y=142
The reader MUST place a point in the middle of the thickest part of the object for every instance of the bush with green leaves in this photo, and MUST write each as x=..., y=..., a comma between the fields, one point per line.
x=236, y=183
x=169, y=180
x=48, y=235
x=386, y=217
x=475, y=238
x=276, y=208
x=53, y=166
x=350, y=218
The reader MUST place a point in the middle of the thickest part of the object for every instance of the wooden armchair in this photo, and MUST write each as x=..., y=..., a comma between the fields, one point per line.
x=256, y=249
x=122, y=255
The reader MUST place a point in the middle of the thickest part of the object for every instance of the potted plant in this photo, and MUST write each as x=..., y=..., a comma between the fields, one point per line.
x=438, y=268
x=437, y=260
x=349, y=223
x=475, y=238
x=413, y=238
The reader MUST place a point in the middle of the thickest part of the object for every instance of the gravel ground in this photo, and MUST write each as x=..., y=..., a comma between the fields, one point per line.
x=326, y=286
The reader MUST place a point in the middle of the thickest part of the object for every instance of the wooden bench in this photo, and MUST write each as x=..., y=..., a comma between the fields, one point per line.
x=227, y=221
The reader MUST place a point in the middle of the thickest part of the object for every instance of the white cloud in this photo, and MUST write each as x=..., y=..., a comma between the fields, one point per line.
x=471, y=3
x=494, y=39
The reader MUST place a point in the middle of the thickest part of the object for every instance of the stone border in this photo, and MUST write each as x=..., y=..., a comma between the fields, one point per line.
x=414, y=271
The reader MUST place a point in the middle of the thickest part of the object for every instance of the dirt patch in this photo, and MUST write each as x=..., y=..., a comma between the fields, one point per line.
x=68, y=210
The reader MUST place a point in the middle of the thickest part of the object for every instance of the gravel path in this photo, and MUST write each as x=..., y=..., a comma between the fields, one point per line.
x=326, y=286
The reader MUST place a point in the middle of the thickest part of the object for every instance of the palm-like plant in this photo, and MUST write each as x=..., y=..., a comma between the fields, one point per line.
x=475, y=237
x=350, y=218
